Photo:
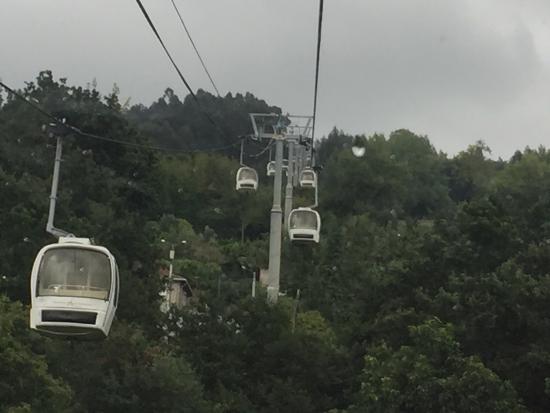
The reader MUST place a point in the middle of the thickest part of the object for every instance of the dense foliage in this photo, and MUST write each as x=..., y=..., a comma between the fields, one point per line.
x=427, y=293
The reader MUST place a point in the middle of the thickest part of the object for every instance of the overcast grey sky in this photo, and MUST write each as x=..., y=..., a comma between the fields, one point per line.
x=457, y=71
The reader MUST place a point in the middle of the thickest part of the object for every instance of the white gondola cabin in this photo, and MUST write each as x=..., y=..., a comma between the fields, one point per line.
x=308, y=178
x=247, y=179
x=304, y=224
x=74, y=289
x=271, y=168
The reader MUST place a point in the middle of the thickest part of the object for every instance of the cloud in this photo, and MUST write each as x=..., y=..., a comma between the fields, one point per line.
x=457, y=71
x=426, y=65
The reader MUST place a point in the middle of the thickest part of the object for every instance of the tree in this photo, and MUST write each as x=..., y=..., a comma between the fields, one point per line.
x=431, y=375
x=128, y=372
x=250, y=360
x=400, y=177
x=26, y=383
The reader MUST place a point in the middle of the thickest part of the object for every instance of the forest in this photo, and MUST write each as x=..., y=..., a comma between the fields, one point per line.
x=427, y=293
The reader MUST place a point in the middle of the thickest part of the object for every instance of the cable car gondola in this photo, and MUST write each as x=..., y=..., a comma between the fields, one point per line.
x=247, y=179
x=304, y=225
x=74, y=289
x=271, y=168
x=308, y=178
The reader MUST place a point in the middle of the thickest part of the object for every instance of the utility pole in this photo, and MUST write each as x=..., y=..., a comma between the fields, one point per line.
x=171, y=255
x=170, y=275
x=254, y=283
x=276, y=225
x=295, y=309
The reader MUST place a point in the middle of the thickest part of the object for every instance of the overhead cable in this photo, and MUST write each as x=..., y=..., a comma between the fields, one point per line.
x=107, y=139
x=28, y=102
x=155, y=31
x=319, y=27
x=151, y=147
x=195, y=47
x=264, y=150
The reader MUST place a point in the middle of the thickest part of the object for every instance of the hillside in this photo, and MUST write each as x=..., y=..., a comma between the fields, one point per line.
x=427, y=293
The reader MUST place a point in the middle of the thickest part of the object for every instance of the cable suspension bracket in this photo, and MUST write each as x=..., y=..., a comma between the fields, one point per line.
x=57, y=130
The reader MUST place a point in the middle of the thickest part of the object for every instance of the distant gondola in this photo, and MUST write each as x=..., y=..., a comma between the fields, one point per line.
x=246, y=179
x=308, y=178
x=270, y=168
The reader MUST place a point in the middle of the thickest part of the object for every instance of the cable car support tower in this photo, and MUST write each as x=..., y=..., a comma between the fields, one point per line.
x=280, y=129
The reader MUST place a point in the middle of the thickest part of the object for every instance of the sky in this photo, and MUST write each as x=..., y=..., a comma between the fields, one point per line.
x=455, y=71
